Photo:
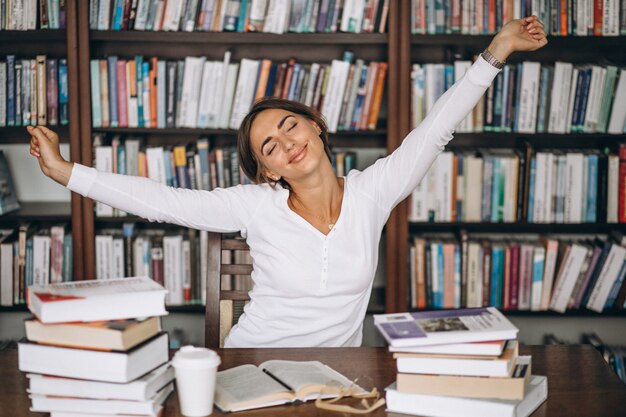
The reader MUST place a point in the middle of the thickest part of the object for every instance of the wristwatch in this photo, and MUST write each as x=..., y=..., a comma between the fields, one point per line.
x=492, y=59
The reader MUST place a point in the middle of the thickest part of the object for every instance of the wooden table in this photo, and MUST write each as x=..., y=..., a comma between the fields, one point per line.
x=579, y=381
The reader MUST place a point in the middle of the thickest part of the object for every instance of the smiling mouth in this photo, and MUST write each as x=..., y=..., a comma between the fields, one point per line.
x=298, y=156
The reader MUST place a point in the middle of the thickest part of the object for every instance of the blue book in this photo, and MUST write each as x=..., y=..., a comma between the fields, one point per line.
x=67, y=258
x=531, y=190
x=139, y=70
x=10, y=90
x=457, y=276
x=577, y=99
x=592, y=188
x=358, y=104
x=118, y=14
x=63, y=93
x=112, y=70
x=440, y=277
x=537, y=279
x=497, y=268
x=497, y=189
x=271, y=80
x=617, y=285
x=582, y=111
x=145, y=74
x=28, y=269
x=448, y=76
x=170, y=178
x=291, y=95
x=241, y=21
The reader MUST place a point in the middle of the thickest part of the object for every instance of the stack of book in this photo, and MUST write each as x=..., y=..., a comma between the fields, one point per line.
x=97, y=347
x=459, y=362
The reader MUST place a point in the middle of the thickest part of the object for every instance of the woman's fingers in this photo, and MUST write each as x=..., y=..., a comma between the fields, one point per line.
x=49, y=133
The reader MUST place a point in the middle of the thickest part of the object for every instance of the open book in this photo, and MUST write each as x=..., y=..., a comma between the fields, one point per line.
x=276, y=382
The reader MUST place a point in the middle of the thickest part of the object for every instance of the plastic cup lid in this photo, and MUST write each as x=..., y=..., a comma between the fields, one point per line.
x=195, y=357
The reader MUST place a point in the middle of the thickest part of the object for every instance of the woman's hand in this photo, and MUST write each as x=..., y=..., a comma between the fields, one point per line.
x=44, y=145
x=524, y=34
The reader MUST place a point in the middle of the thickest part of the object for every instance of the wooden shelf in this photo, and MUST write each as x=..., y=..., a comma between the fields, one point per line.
x=533, y=228
x=568, y=313
x=362, y=139
x=234, y=38
x=553, y=41
x=18, y=134
x=536, y=140
x=29, y=36
x=39, y=211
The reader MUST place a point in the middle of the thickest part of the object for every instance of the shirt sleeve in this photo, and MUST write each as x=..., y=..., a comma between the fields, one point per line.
x=391, y=179
x=221, y=210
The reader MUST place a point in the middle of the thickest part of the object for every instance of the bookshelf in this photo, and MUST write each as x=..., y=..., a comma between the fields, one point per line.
x=445, y=48
x=304, y=47
x=54, y=43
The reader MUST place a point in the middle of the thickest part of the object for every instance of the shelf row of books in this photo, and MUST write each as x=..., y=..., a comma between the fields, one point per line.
x=174, y=259
x=197, y=166
x=518, y=274
x=32, y=14
x=269, y=16
x=508, y=185
x=33, y=91
x=33, y=255
x=459, y=362
x=529, y=97
x=481, y=17
x=97, y=348
x=200, y=93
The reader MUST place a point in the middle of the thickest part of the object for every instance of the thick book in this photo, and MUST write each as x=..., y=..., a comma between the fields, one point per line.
x=96, y=300
x=489, y=348
x=141, y=389
x=447, y=406
x=95, y=365
x=509, y=388
x=276, y=382
x=150, y=407
x=442, y=327
x=468, y=365
x=120, y=335
x=159, y=413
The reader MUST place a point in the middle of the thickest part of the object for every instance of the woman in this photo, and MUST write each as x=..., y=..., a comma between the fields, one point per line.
x=313, y=237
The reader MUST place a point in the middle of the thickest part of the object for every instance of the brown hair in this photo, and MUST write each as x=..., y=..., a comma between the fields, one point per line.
x=247, y=159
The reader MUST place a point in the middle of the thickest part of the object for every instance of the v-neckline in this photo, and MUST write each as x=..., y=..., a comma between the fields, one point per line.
x=307, y=223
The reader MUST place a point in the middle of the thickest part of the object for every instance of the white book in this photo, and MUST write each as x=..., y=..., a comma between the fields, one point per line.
x=612, y=189
x=41, y=260
x=108, y=366
x=277, y=17
x=467, y=124
x=511, y=166
x=488, y=348
x=596, y=88
x=549, y=268
x=103, y=14
x=244, y=92
x=156, y=164
x=334, y=93
x=566, y=280
x=310, y=89
x=229, y=96
x=173, y=269
x=138, y=251
x=141, y=389
x=539, y=211
x=3, y=93
x=352, y=16
x=608, y=274
x=207, y=93
x=474, y=277
x=204, y=265
x=142, y=14
x=560, y=96
x=445, y=406
x=149, y=407
x=192, y=79
x=104, y=163
x=6, y=273
x=571, y=100
x=171, y=18
x=118, y=257
x=132, y=156
x=528, y=97
x=104, y=257
x=222, y=97
x=610, y=17
x=132, y=106
x=574, y=185
x=618, y=112
x=417, y=95
x=536, y=292
x=159, y=413
x=96, y=111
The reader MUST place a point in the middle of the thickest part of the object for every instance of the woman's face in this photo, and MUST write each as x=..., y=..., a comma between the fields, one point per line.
x=286, y=144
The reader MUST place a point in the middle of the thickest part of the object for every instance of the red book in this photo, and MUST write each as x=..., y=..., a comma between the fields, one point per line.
x=153, y=91
x=122, y=93
x=621, y=192
x=564, y=17
x=597, y=17
x=514, y=279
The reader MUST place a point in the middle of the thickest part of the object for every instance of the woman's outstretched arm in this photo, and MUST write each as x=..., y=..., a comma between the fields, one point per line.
x=391, y=179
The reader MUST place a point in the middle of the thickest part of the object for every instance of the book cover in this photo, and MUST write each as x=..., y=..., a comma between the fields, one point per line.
x=440, y=327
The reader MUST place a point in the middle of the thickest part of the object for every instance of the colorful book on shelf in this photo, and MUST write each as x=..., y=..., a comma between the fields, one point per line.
x=277, y=382
x=509, y=388
x=95, y=300
x=448, y=326
x=464, y=364
x=120, y=335
x=451, y=406
x=97, y=365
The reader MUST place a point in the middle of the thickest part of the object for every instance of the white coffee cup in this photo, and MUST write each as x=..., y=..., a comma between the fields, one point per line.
x=195, y=369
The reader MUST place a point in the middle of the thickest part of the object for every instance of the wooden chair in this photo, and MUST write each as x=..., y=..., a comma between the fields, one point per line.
x=223, y=307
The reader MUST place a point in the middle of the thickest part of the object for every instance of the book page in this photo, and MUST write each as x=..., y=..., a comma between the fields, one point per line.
x=306, y=378
x=247, y=386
